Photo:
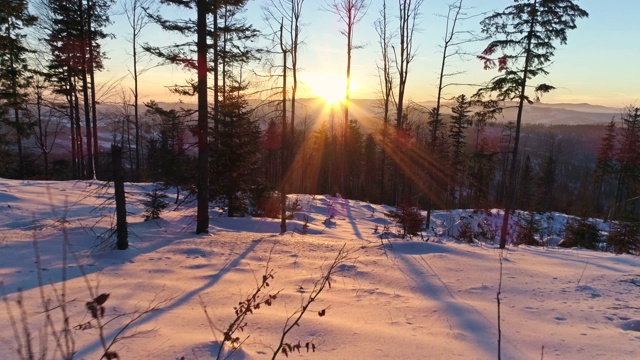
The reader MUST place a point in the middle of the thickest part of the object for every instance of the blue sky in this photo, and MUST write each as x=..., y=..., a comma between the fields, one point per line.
x=597, y=66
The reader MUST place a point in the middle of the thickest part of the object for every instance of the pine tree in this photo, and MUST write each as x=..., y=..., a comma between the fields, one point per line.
x=526, y=188
x=354, y=146
x=237, y=160
x=14, y=72
x=528, y=28
x=167, y=153
x=74, y=31
x=460, y=121
x=628, y=158
x=183, y=54
x=547, y=181
x=605, y=162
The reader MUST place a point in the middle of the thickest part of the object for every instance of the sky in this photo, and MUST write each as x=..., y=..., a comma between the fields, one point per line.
x=597, y=66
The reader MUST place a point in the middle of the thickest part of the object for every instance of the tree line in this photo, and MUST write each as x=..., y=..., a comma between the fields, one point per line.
x=251, y=138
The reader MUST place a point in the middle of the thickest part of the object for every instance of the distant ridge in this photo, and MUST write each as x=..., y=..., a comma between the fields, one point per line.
x=367, y=110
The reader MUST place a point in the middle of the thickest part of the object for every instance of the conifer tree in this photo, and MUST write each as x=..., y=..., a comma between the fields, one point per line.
x=526, y=188
x=526, y=33
x=605, y=162
x=350, y=13
x=628, y=157
x=460, y=121
x=14, y=73
x=167, y=156
x=183, y=54
x=237, y=160
x=74, y=31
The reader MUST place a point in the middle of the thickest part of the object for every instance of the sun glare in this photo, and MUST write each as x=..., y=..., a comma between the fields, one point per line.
x=330, y=95
x=328, y=87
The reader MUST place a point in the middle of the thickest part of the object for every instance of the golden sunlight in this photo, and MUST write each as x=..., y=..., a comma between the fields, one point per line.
x=328, y=87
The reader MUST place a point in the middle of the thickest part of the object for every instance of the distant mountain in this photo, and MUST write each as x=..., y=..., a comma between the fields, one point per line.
x=368, y=112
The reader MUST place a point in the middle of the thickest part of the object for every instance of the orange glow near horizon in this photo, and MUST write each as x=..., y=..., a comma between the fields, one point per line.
x=329, y=87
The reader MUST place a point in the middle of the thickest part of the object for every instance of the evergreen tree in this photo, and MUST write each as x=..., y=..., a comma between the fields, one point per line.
x=528, y=28
x=460, y=121
x=547, y=181
x=74, y=31
x=227, y=36
x=237, y=160
x=271, y=139
x=354, y=146
x=14, y=73
x=605, y=162
x=526, y=190
x=167, y=155
x=628, y=157
x=183, y=54
x=481, y=173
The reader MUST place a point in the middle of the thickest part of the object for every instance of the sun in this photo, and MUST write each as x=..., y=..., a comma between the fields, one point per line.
x=328, y=87
x=330, y=94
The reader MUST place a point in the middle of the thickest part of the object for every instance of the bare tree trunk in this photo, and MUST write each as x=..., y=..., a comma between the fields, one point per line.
x=81, y=160
x=202, y=217
x=386, y=91
x=85, y=89
x=283, y=145
x=511, y=185
x=409, y=11
x=350, y=13
x=122, y=242
x=94, y=116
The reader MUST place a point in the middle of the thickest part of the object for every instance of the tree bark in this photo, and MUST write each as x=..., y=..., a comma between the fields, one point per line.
x=122, y=242
x=202, y=217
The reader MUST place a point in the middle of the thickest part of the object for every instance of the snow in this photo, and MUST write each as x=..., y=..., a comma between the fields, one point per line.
x=392, y=299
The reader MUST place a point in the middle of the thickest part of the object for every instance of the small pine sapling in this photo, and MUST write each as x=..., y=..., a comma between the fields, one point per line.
x=155, y=203
x=528, y=228
x=465, y=233
x=305, y=226
x=625, y=238
x=582, y=233
x=294, y=205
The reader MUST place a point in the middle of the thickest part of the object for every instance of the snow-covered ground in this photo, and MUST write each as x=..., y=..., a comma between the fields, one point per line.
x=397, y=299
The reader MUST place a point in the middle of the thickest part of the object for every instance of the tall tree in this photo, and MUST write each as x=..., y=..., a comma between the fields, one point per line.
x=283, y=18
x=167, y=154
x=548, y=176
x=137, y=18
x=460, y=122
x=526, y=33
x=350, y=12
x=237, y=160
x=47, y=123
x=385, y=79
x=283, y=146
x=97, y=19
x=605, y=162
x=454, y=38
x=404, y=54
x=526, y=190
x=628, y=157
x=177, y=54
x=288, y=13
x=14, y=18
x=74, y=34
